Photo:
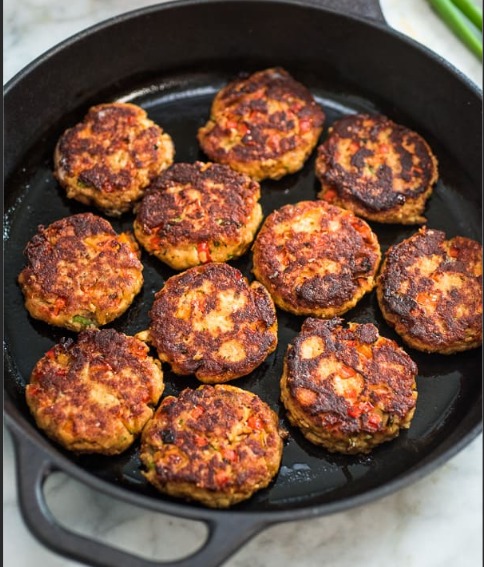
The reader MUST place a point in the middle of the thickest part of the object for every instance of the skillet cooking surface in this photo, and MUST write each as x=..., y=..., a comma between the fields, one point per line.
x=309, y=476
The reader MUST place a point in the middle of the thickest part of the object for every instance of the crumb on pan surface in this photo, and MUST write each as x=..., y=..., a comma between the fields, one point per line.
x=380, y=170
x=346, y=387
x=195, y=213
x=217, y=445
x=80, y=273
x=430, y=290
x=210, y=322
x=315, y=259
x=265, y=125
x=108, y=159
x=95, y=394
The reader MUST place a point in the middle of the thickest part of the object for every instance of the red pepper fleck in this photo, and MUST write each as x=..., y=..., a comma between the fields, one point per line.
x=221, y=478
x=197, y=411
x=360, y=408
x=254, y=422
x=59, y=304
x=155, y=241
x=304, y=126
x=453, y=252
x=354, y=147
x=51, y=353
x=229, y=455
x=374, y=421
x=347, y=372
x=203, y=252
x=273, y=141
x=330, y=195
x=200, y=441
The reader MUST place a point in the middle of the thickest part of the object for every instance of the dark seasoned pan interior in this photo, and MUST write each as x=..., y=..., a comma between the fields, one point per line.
x=449, y=386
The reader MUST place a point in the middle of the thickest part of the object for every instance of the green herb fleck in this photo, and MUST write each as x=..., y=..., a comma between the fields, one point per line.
x=84, y=321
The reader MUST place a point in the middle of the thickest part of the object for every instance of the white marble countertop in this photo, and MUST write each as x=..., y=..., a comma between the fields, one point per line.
x=436, y=522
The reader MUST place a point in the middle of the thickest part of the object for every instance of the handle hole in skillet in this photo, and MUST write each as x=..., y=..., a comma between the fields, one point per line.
x=98, y=516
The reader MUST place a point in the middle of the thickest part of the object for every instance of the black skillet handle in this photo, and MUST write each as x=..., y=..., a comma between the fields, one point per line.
x=369, y=9
x=226, y=532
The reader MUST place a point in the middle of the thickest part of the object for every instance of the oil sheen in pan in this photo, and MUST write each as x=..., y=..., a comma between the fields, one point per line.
x=308, y=475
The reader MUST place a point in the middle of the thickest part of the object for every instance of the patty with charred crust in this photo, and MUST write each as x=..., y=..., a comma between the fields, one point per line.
x=347, y=388
x=265, y=125
x=95, y=394
x=217, y=445
x=316, y=259
x=198, y=213
x=208, y=321
x=80, y=273
x=430, y=291
x=109, y=158
x=378, y=169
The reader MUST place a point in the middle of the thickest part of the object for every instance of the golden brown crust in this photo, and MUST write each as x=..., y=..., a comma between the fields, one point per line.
x=264, y=125
x=316, y=259
x=198, y=213
x=347, y=388
x=378, y=169
x=96, y=394
x=109, y=158
x=80, y=273
x=430, y=290
x=217, y=445
x=210, y=322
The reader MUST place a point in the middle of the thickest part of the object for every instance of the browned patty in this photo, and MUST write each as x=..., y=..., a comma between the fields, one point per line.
x=95, y=394
x=347, y=388
x=380, y=170
x=80, y=273
x=430, y=291
x=210, y=322
x=316, y=259
x=264, y=125
x=195, y=213
x=217, y=445
x=109, y=158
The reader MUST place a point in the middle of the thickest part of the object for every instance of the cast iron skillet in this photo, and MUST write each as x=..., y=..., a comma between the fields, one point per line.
x=171, y=59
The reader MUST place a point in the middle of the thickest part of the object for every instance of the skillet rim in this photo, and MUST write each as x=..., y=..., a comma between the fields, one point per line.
x=313, y=4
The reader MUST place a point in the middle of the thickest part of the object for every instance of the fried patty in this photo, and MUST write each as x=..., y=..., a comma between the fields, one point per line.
x=95, y=394
x=80, y=273
x=347, y=388
x=315, y=258
x=198, y=213
x=217, y=445
x=208, y=321
x=109, y=158
x=378, y=169
x=265, y=125
x=430, y=291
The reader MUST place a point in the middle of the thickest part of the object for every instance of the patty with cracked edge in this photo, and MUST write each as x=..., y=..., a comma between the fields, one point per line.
x=346, y=387
x=80, y=273
x=378, y=169
x=95, y=394
x=109, y=158
x=265, y=125
x=195, y=213
x=210, y=322
x=430, y=290
x=316, y=259
x=217, y=445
